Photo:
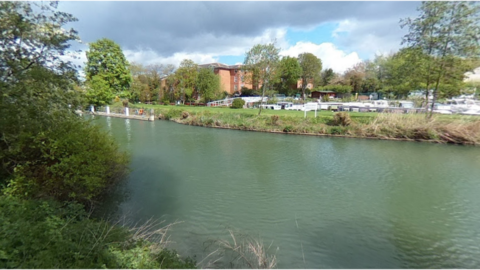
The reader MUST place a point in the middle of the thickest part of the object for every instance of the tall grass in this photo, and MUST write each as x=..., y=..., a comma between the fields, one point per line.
x=439, y=129
x=239, y=251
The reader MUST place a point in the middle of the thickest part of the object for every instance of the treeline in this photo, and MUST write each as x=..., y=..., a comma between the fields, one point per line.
x=55, y=166
x=110, y=77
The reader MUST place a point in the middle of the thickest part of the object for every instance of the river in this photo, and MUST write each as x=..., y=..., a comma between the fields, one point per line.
x=318, y=202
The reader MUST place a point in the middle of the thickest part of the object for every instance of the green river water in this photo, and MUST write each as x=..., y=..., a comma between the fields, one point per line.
x=319, y=202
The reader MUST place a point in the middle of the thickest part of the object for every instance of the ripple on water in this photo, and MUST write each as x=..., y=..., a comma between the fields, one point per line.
x=325, y=202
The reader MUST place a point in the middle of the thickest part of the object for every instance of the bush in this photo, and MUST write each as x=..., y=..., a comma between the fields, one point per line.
x=288, y=129
x=47, y=234
x=75, y=161
x=238, y=103
x=175, y=113
x=274, y=119
x=342, y=119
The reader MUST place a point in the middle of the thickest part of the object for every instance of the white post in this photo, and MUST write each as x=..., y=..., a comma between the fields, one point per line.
x=305, y=111
x=152, y=115
x=108, y=109
x=316, y=112
x=92, y=108
x=126, y=111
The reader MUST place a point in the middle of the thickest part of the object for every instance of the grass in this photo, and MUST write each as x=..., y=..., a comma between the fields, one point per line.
x=457, y=129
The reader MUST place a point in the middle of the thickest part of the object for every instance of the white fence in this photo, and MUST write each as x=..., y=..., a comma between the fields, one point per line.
x=228, y=101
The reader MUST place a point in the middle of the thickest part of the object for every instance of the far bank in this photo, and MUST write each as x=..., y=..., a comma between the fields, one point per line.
x=456, y=129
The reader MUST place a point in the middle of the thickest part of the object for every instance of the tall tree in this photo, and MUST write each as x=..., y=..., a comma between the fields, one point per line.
x=289, y=72
x=32, y=71
x=208, y=84
x=326, y=76
x=105, y=59
x=311, y=67
x=443, y=31
x=263, y=59
x=45, y=149
x=356, y=76
x=187, y=77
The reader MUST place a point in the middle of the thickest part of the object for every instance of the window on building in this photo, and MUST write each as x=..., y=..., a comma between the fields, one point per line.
x=243, y=78
x=235, y=87
x=235, y=78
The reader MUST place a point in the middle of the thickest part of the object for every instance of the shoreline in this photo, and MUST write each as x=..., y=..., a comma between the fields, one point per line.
x=380, y=126
x=318, y=134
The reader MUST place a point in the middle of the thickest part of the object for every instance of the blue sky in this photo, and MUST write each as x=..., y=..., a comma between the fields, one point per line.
x=319, y=34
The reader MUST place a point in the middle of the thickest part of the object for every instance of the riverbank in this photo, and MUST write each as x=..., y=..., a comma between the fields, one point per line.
x=463, y=130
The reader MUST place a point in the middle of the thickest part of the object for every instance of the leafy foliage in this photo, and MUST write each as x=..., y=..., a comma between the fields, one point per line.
x=47, y=234
x=73, y=162
x=208, y=84
x=31, y=40
x=289, y=72
x=238, y=103
x=186, y=76
x=106, y=60
x=261, y=62
x=311, y=67
x=45, y=149
x=99, y=92
x=443, y=32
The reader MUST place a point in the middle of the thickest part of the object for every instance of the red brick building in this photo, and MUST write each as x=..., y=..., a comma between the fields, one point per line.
x=232, y=78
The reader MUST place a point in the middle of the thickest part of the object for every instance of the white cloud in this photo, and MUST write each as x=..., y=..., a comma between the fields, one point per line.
x=331, y=56
x=151, y=57
x=345, y=26
x=210, y=51
x=370, y=37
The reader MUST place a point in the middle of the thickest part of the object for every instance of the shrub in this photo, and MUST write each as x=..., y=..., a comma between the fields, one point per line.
x=185, y=114
x=47, y=234
x=288, y=129
x=238, y=103
x=336, y=130
x=175, y=113
x=274, y=119
x=75, y=161
x=342, y=119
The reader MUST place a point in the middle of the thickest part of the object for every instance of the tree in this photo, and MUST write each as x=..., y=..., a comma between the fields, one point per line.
x=46, y=150
x=443, y=31
x=186, y=76
x=263, y=59
x=208, y=84
x=30, y=40
x=288, y=72
x=356, y=76
x=145, y=86
x=99, y=92
x=326, y=76
x=106, y=59
x=311, y=67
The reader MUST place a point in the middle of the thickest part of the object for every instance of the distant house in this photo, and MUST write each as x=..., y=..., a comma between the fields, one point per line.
x=322, y=94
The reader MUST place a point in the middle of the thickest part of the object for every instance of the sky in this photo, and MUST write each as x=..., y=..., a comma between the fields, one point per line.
x=340, y=33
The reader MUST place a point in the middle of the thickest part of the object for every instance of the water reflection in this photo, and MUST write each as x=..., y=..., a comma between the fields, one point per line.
x=335, y=203
x=128, y=129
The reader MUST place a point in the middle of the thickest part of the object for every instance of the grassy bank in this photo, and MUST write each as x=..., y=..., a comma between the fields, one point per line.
x=455, y=129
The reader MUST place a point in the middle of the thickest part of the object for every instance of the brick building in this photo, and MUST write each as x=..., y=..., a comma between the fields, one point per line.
x=232, y=78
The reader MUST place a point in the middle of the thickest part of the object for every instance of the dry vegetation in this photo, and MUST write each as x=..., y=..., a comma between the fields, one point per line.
x=439, y=129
